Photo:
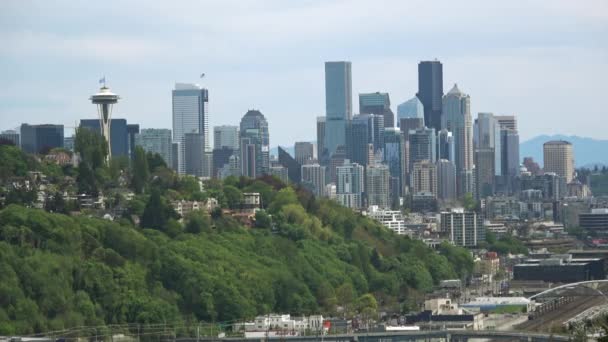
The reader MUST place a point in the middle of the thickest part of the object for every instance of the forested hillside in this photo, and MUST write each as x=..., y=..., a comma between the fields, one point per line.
x=302, y=256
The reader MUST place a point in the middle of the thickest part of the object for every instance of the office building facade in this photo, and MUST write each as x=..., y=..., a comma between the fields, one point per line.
x=226, y=136
x=377, y=103
x=313, y=177
x=377, y=185
x=412, y=108
x=424, y=177
x=446, y=180
x=10, y=136
x=338, y=103
x=40, y=138
x=559, y=158
x=304, y=152
x=456, y=118
x=156, y=141
x=430, y=92
x=190, y=104
x=254, y=144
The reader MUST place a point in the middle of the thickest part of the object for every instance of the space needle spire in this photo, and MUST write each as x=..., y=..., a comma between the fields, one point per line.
x=105, y=100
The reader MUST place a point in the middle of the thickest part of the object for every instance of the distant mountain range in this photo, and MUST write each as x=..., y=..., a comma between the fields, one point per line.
x=587, y=151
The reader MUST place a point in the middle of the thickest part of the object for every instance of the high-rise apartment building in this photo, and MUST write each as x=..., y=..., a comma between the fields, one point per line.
x=304, y=152
x=338, y=103
x=464, y=228
x=254, y=144
x=424, y=178
x=40, y=138
x=559, y=158
x=226, y=136
x=411, y=108
x=446, y=180
x=377, y=185
x=190, y=115
x=456, y=118
x=350, y=184
x=430, y=92
x=377, y=103
x=313, y=177
x=156, y=141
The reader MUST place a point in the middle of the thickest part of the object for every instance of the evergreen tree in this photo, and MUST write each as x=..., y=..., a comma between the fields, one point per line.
x=141, y=171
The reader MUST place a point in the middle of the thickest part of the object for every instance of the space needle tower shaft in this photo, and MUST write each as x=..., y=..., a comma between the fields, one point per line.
x=105, y=100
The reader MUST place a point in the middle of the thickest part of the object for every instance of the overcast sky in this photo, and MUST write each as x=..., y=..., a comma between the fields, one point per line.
x=544, y=61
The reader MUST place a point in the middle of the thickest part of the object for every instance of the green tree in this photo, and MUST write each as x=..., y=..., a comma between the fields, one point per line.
x=469, y=202
x=141, y=171
x=157, y=212
x=234, y=197
x=197, y=222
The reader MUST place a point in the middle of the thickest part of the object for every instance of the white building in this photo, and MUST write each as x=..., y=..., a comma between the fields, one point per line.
x=285, y=324
x=391, y=219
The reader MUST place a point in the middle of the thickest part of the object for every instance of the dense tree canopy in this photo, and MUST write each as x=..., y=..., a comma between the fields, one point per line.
x=303, y=255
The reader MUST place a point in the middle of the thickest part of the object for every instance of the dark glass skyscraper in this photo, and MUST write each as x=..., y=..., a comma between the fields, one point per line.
x=338, y=103
x=119, y=134
x=430, y=92
x=41, y=138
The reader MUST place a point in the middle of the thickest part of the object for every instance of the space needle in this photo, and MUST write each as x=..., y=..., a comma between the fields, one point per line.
x=105, y=100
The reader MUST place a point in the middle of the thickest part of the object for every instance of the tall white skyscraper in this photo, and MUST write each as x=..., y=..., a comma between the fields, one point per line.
x=456, y=118
x=190, y=115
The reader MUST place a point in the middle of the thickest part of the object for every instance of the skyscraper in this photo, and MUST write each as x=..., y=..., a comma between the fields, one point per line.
x=294, y=169
x=484, y=172
x=377, y=103
x=423, y=146
x=377, y=179
x=313, y=177
x=445, y=145
x=393, y=157
x=411, y=108
x=255, y=140
x=226, y=136
x=221, y=158
x=350, y=184
x=486, y=135
x=408, y=124
x=304, y=152
x=156, y=141
x=322, y=153
x=41, y=138
x=194, y=154
x=338, y=103
x=365, y=129
x=424, y=178
x=446, y=180
x=190, y=115
x=509, y=144
x=456, y=118
x=430, y=92
x=558, y=157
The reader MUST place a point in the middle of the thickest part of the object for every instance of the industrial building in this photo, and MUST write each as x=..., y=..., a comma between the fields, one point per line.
x=560, y=269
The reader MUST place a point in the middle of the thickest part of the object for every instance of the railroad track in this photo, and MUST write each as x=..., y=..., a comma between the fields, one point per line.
x=545, y=322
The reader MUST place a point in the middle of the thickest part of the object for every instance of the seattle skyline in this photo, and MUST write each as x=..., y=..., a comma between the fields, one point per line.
x=534, y=73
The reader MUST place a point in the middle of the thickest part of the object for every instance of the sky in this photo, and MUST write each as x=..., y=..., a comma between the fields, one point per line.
x=544, y=61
